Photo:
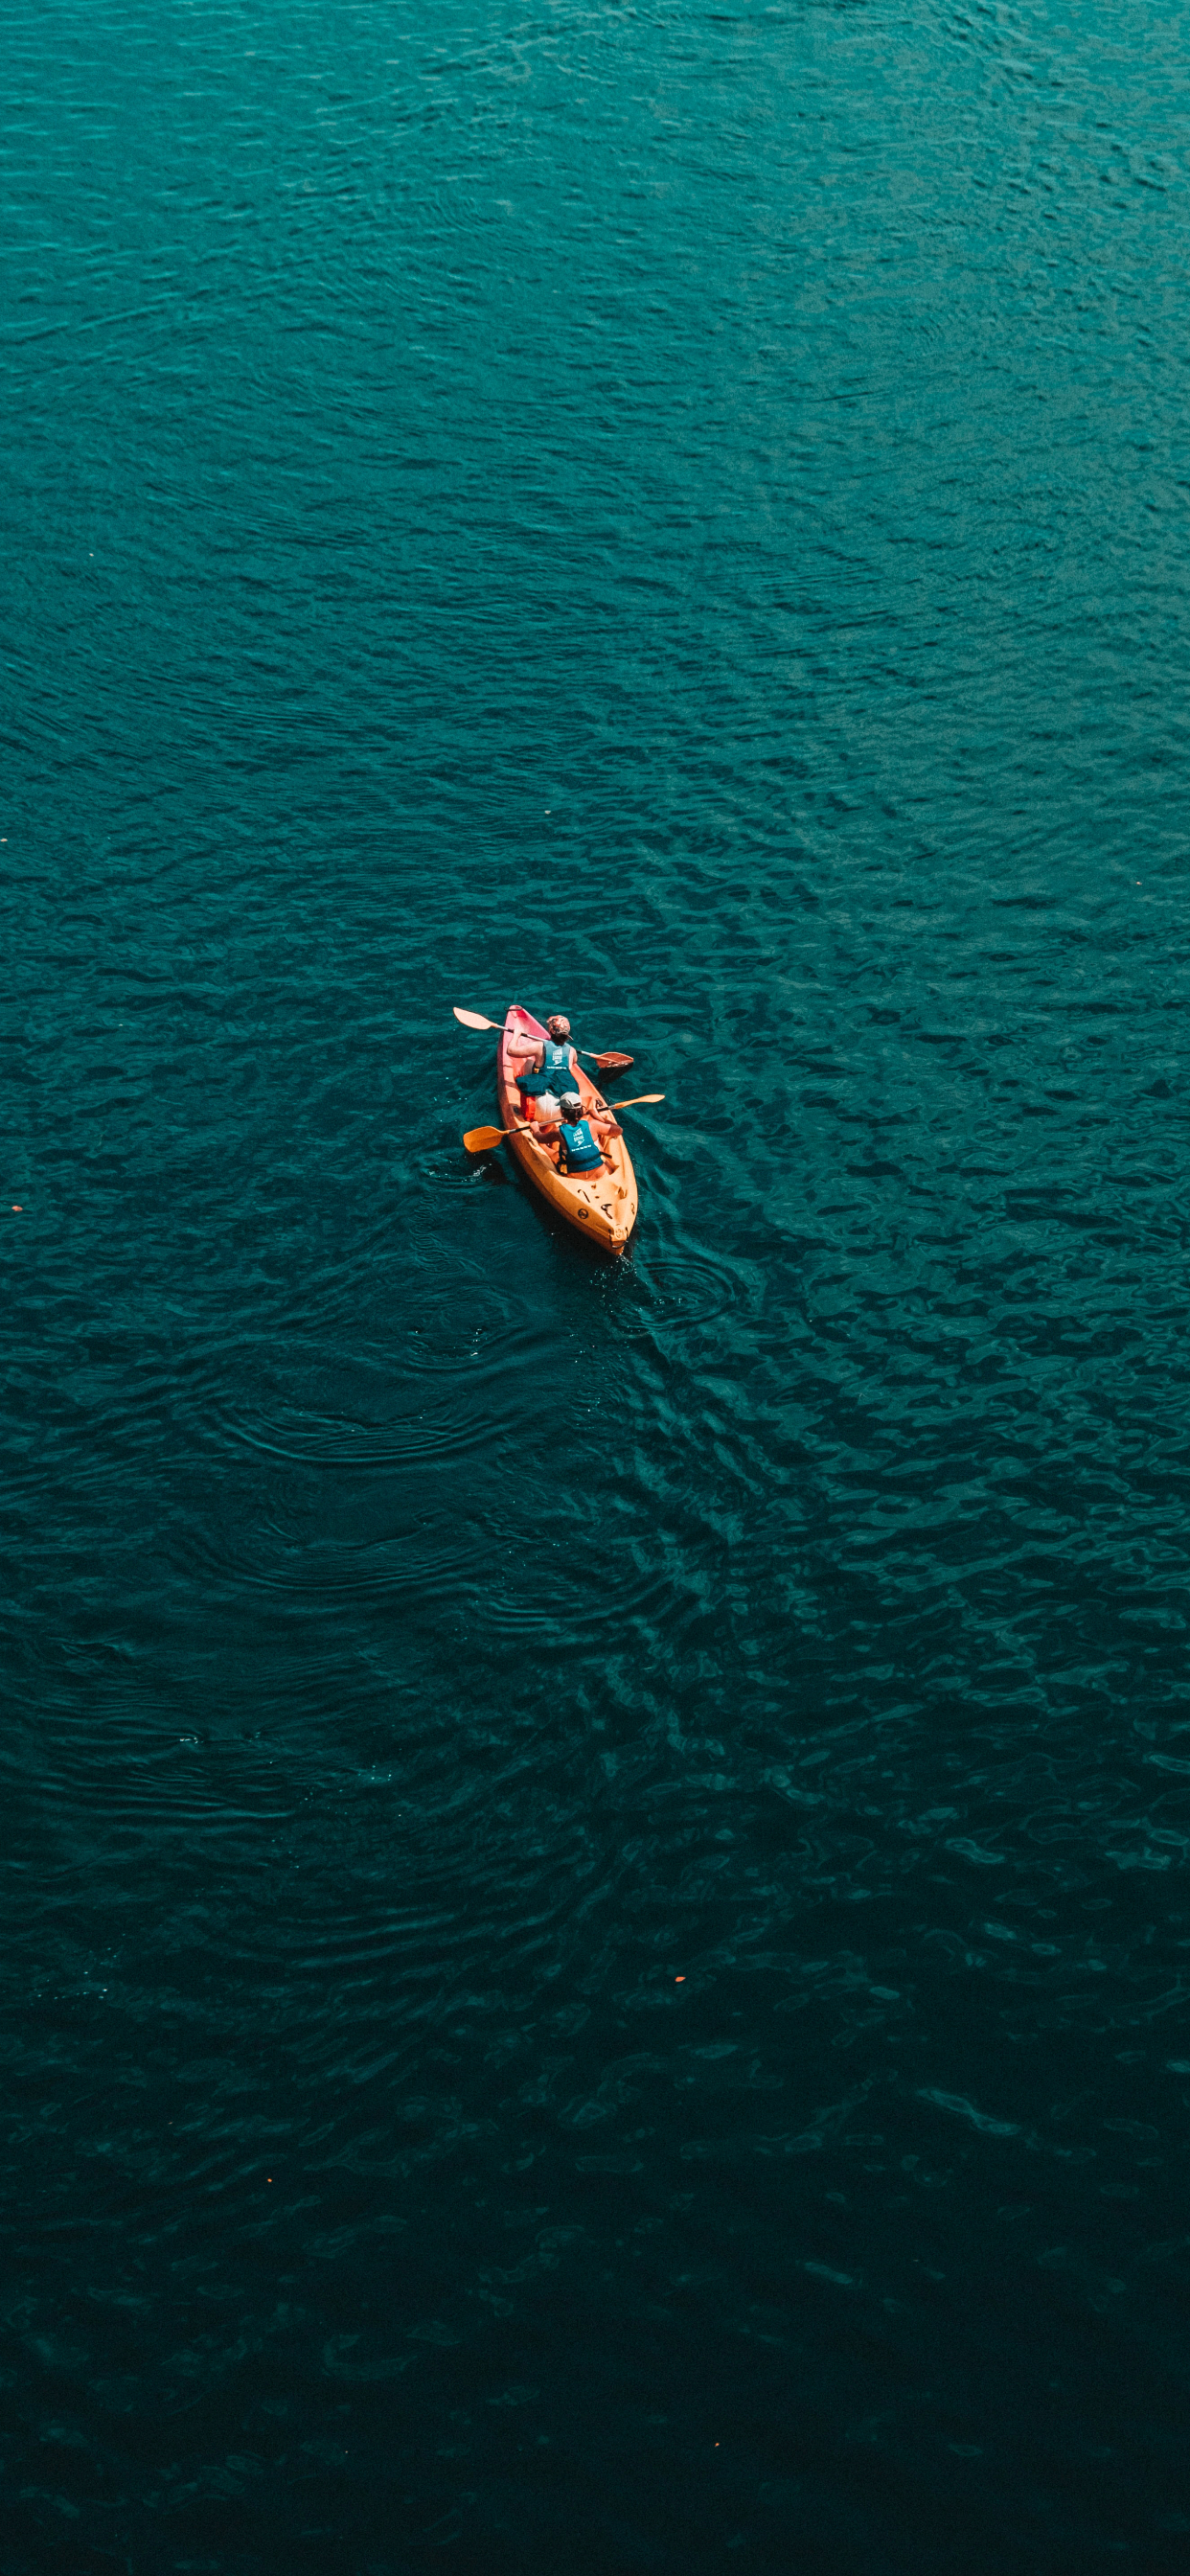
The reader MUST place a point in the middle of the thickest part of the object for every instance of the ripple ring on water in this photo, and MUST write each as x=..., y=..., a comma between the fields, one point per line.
x=686, y=1288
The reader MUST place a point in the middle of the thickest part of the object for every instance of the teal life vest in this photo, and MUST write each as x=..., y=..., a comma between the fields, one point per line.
x=555, y=1074
x=577, y=1149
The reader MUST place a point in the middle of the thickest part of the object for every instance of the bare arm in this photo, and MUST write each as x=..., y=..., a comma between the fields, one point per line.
x=608, y=1130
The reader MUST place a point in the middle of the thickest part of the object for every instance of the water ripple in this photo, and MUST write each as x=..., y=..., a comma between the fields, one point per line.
x=606, y=1843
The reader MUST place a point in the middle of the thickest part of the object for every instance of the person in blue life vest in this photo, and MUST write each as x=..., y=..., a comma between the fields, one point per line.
x=582, y=1138
x=548, y=1066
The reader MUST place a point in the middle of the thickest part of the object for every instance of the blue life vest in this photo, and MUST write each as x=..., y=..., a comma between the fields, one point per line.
x=577, y=1149
x=555, y=1074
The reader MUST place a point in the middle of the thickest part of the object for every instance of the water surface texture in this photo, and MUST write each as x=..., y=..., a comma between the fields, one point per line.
x=596, y=1933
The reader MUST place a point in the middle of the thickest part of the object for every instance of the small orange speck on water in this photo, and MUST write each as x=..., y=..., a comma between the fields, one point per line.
x=679, y=1981
x=17, y=1211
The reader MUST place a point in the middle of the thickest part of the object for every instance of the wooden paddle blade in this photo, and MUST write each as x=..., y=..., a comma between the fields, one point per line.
x=639, y=1100
x=613, y=1061
x=482, y=1140
x=476, y=1020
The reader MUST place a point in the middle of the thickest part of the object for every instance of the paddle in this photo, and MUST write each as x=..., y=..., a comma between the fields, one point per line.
x=612, y=1062
x=481, y=1140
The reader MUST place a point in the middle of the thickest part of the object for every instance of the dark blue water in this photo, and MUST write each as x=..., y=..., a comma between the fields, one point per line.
x=597, y=1936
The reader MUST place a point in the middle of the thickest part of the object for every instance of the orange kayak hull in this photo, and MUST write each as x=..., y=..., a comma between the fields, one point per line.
x=601, y=1206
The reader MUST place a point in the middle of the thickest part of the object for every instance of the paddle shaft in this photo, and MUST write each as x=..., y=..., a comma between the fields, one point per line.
x=483, y=1140
x=476, y=1020
x=611, y=1109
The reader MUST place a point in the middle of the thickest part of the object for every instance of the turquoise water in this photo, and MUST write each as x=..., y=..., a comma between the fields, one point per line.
x=596, y=1929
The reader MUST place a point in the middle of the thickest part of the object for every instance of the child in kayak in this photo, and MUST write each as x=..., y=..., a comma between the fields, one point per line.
x=578, y=1142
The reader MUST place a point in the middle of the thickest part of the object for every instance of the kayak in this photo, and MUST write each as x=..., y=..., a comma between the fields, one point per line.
x=599, y=1205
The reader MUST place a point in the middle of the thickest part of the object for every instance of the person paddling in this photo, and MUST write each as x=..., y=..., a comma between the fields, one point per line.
x=547, y=1065
x=583, y=1142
